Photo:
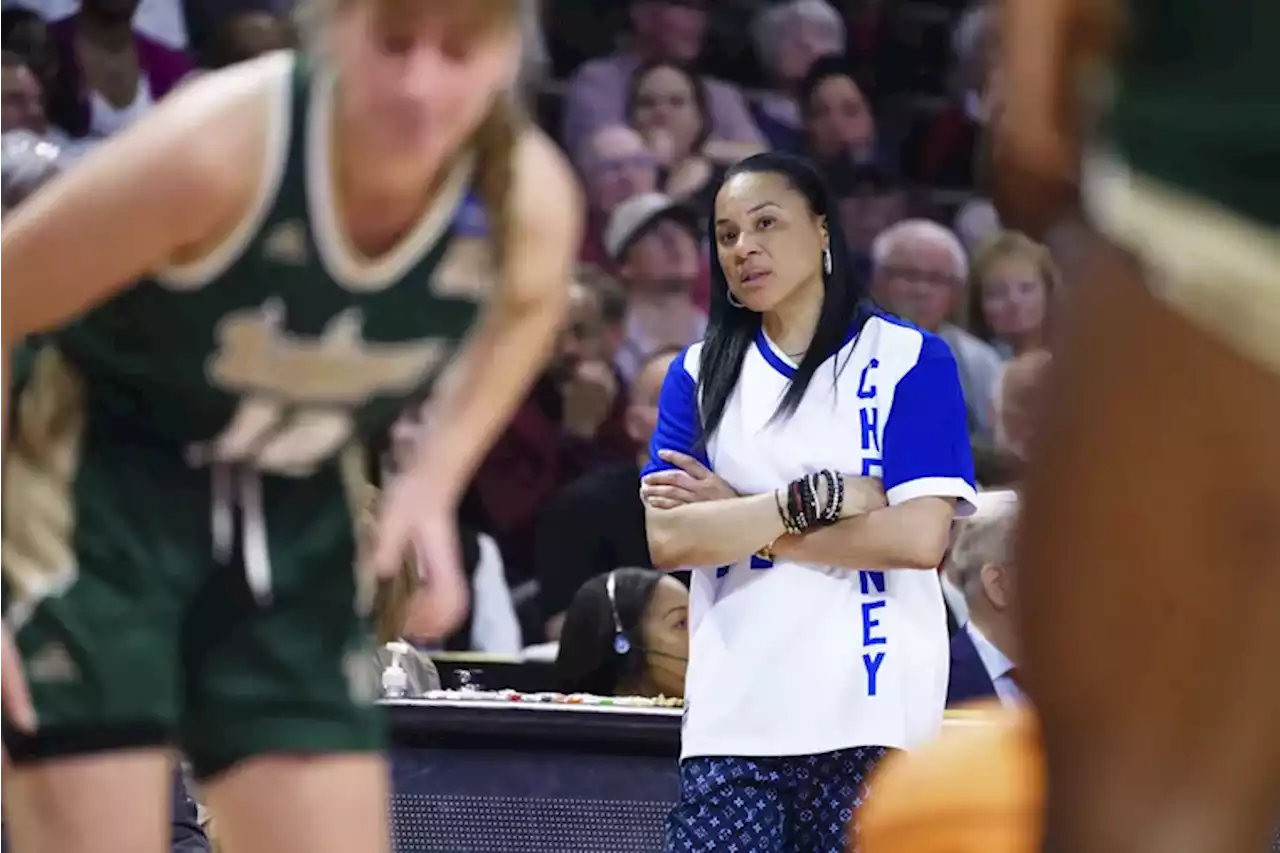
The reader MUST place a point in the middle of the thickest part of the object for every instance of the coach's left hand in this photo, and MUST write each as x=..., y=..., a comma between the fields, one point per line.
x=689, y=482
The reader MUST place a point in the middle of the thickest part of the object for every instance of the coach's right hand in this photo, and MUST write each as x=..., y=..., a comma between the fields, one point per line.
x=14, y=698
x=862, y=495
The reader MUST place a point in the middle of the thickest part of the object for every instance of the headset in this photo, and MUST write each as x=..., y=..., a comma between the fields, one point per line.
x=622, y=644
x=621, y=640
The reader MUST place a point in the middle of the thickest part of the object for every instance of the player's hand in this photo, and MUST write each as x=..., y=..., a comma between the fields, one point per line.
x=689, y=482
x=862, y=495
x=414, y=522
x=14, y=698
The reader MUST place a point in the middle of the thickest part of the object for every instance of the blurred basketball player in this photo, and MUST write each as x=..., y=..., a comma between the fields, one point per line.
x=1151, y=536
x=219, y=310
x=978, y=788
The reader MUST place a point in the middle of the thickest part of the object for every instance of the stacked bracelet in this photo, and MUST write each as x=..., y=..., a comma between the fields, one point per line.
x=800, y=510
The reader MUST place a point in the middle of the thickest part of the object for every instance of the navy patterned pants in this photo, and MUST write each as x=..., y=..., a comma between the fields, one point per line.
x=790, y=804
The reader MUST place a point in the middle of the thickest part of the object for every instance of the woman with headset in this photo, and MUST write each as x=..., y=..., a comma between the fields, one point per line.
x=626, y=634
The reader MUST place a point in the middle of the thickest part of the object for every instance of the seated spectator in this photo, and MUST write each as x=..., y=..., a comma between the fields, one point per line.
x=613, y=309
x=1011, y=292
x=626, y=634
x=840, y=127
x=571, y=423
x=165, y=21
x=616, y=165
x=1016, y=407
x=25, y=33
x=22, y=106
x=941, y=149
x=597, y=522
x=869, y=203
x=108, y=74
x=667, y=104
x=661, y=30
x=188, y=835
x=789, y=37
x=920, y=272
x=1011, y=297
x=653, y=242
x=984, y=652
x=245, y=35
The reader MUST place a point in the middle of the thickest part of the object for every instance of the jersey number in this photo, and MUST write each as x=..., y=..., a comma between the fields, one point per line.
x=279, y=439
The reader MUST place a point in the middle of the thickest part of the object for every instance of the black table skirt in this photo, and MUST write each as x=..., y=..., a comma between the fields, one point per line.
x=478, y=777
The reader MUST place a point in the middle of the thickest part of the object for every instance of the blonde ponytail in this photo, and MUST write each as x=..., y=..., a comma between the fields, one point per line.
x=495, y=145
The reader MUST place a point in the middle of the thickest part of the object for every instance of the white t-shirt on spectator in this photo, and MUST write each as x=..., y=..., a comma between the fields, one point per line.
x=794, y=659
x=162, y=20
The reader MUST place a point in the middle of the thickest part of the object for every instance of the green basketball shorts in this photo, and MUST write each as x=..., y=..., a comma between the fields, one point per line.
x=154, y=603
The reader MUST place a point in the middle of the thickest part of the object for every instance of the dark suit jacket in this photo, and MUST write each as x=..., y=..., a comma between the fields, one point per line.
x=188, y=837
x=969, y=679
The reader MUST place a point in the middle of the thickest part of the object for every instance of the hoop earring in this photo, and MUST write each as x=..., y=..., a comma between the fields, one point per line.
x=826, y=259
x=733, y=300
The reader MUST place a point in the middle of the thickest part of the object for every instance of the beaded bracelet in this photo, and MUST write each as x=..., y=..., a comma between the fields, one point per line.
x=835, y=496
x=795, y=505
x=800, y=510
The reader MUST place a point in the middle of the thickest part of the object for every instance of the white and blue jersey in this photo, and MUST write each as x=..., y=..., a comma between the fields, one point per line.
x=796, y=659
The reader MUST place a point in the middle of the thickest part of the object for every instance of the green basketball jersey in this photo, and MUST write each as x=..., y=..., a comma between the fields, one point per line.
x=283, y=346
x=1198, y=100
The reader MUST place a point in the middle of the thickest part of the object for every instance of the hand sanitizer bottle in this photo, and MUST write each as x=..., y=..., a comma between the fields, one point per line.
x=395, y=681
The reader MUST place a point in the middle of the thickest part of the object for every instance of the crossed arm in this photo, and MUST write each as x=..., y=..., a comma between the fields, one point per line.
x=694, y=518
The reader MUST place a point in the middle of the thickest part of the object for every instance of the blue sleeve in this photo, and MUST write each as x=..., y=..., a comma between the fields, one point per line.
x=926, y=437
x=678, y=421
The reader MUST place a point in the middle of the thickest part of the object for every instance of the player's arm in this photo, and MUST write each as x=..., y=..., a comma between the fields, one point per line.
x=157, y=192
x=927, y=473
x=512, y=341
x=1046, y=46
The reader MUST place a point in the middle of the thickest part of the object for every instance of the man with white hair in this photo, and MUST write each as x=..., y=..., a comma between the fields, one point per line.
x=788, y=38
x=920, y=273
x=616, y=165
x=984, y=651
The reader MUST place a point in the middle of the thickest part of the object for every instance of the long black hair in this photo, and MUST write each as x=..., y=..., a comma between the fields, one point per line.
x=731, y=328
x=587, y=661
